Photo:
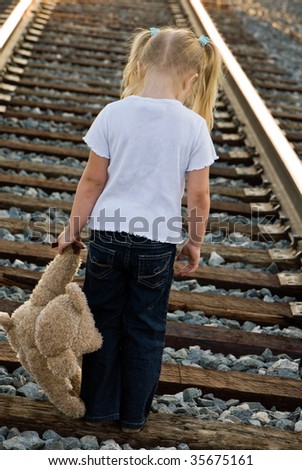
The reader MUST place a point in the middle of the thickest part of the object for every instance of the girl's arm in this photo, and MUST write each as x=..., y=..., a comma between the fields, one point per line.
x=198, y=202
x=90, y=186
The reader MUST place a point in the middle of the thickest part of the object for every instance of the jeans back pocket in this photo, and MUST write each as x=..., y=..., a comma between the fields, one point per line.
x=100, y=260
x=153, y=270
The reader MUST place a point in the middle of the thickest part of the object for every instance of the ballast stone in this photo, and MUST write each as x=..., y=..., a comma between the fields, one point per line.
x=28, y=440
x=110, y=444
x=298, y=426
x=52, y=444
x=190, y=394
x=89, y=443
x=7, y=390
x=71, y=443
x=32, y=390
x=6, y=380
x=215, y=259
x=285, y=424
x=50, y=434
x=262, y=417
x=15, y=443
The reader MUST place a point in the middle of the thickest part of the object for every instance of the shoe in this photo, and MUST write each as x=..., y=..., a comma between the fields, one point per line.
x=131, y=430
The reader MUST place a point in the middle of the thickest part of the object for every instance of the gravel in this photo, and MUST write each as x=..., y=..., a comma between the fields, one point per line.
x=41, y=158
x=261, y=294
x=278, y=26
x=37, y=193
x=13, y=439
x=199, y=318
x=265, y=364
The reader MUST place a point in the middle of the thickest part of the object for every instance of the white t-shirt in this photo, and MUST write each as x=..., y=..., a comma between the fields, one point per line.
x=151, y=144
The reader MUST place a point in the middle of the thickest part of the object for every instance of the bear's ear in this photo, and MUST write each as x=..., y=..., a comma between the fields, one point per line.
x=5, y=321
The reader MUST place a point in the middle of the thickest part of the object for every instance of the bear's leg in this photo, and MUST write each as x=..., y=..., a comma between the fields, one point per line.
x=76, y=382
x=59, y=391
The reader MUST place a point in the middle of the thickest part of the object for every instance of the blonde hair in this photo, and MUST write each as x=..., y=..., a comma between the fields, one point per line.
x=176, y=51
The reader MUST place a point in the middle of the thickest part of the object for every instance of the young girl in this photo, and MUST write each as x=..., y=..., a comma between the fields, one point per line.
x=143, y=147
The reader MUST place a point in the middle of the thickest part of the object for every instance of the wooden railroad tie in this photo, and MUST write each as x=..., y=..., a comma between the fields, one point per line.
x=161, y=429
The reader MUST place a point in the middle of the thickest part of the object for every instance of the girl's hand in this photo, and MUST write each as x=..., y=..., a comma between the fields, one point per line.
x=64, y=240
x=192, y=251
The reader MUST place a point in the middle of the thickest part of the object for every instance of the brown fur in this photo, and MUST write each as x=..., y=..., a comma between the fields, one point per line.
x=52, y=330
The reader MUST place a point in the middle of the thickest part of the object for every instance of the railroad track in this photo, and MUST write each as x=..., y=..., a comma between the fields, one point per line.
x=281, y=94
x=66, y=65
x=6, y=7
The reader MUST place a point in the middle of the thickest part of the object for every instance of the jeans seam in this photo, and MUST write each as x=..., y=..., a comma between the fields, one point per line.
x=104, y=418
x=127, y=257
x=129, y=424
x=146, y=244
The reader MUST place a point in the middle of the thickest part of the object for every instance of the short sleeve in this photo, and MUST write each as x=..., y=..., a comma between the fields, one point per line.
x=97, y=136
x=203, y=153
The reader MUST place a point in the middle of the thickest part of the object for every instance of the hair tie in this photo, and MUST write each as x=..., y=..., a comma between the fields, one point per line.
x=154, y=31
x=204, y=40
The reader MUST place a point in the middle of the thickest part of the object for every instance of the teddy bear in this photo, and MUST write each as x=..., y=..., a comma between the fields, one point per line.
x=52, y=330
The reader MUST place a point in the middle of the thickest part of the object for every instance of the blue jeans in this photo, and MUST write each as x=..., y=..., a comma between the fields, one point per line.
x=127, y=285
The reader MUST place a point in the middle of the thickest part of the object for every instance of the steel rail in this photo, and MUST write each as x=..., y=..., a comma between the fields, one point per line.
x=281, y=163
x=14, y=26
x=12, y=21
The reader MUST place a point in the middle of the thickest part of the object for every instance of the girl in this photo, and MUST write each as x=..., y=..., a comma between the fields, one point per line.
x=142, y=149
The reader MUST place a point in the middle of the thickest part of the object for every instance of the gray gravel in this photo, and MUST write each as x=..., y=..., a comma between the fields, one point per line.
x=265, y=364
x=199, y=318
x=278, y=25
x=41, y=158
x=191, y=402
x=37, y=193
x=13, y=439
x=262, y=294
x=38, y=141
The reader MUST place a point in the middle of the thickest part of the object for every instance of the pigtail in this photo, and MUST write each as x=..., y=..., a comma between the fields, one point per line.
x=131, y=82
x=207, y=84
